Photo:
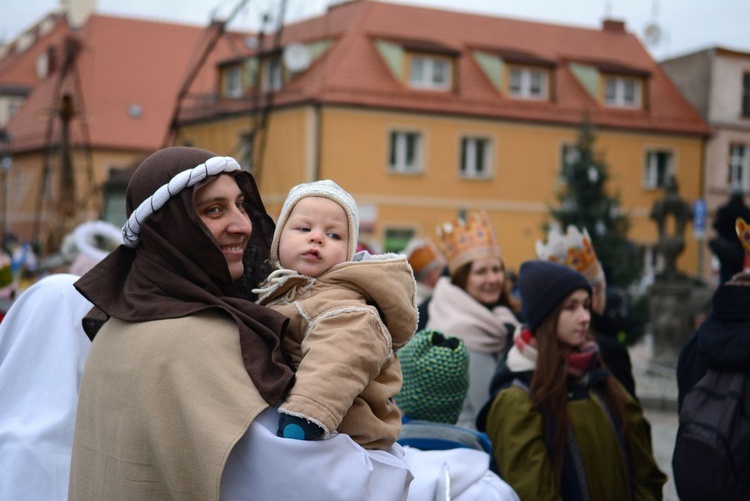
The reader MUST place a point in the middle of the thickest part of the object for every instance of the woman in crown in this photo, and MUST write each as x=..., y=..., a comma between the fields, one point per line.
x=474, y=303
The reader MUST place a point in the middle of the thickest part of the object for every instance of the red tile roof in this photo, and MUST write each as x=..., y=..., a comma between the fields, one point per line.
x=126, y=62
x=352, y=72
x=18, y=67
x=123, y=64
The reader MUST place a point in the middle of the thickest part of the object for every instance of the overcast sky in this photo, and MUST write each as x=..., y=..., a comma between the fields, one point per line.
x=685, y=25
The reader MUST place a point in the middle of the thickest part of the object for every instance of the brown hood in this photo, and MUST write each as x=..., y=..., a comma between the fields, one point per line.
x=178, y=269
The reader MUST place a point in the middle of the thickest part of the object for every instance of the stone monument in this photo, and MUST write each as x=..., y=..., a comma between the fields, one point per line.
x=674, y=297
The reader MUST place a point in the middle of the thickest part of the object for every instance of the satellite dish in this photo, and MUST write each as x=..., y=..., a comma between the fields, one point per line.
x=652, y=34
x=296, y=57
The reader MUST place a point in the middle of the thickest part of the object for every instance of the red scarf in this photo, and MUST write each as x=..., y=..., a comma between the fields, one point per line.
x=580, y=361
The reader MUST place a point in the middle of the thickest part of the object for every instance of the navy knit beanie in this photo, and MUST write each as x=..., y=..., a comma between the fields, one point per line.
x=543, y=285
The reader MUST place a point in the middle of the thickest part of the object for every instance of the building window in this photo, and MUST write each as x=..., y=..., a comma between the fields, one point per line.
x=475, y=157
x=657, y=170
x=13, y=107
x=430, y=73
x=233, y=82
x=245, y=156
x=272, y=74
x=738, y=174
x=569, y=156
x=746, y=95
x=622, y=92
x=405, y=155
x=528, y=83
x=396, y=239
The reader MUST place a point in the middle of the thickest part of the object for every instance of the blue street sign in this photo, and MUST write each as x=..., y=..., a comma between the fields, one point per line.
x=699, y=218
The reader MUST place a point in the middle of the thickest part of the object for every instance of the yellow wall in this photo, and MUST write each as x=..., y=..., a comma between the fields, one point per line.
x=24, y=186
x=288, y=158
x=352, y=145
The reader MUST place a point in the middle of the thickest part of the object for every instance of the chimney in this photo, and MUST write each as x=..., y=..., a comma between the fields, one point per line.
x=77, y=11
x=613, y=26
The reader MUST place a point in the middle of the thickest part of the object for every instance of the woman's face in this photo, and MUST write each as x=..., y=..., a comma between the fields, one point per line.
x=485, y=280
x=219, y=205
x=573, y=322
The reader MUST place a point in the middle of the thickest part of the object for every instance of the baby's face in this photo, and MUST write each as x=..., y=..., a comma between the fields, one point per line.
x=315, y=236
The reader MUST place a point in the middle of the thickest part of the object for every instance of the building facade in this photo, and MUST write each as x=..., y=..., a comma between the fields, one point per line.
x=424, y=113
x=717, y=83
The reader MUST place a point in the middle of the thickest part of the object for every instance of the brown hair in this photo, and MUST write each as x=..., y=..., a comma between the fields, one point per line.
x=460, y=278
x=550, y=393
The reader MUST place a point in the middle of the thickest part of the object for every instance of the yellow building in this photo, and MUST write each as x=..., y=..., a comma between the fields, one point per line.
x=420, y=113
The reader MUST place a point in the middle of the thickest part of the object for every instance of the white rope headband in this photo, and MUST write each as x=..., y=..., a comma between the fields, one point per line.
x=131, y=232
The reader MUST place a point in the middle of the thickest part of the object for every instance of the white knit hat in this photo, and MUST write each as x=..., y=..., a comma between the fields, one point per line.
x=324, y=189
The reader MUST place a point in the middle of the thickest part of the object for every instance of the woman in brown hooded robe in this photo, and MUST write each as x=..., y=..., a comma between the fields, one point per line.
x=181, y=362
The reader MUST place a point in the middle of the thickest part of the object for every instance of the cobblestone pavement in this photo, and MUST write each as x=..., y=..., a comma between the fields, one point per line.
x=656, y=388
x=663, y=432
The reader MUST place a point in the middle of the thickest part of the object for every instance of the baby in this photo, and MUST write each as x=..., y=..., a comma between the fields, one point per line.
x=348, y=313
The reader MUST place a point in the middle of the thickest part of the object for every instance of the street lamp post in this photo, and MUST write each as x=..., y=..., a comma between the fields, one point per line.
x=6, y=160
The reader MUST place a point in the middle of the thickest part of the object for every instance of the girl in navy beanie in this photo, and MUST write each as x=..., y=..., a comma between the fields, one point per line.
x=560, y=425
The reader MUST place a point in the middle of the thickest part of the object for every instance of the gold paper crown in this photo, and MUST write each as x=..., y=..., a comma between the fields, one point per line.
x=573, y=249
x=464, y=241
x=743, y=232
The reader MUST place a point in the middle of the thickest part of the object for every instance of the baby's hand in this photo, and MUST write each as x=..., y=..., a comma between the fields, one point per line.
x=298, y=428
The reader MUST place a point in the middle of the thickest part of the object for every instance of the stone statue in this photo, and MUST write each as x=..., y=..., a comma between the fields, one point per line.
x=672, y=291
x=670, y=246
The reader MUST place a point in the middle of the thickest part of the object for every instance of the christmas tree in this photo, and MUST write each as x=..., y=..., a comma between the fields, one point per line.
x=584, y=202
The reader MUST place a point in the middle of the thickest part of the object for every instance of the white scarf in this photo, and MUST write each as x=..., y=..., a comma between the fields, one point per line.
x=456, y=313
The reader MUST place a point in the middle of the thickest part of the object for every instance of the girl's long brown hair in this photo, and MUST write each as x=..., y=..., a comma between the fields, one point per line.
x=460, y=278
x=550, y=393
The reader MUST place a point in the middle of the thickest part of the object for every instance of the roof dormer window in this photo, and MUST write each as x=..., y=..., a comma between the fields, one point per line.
x=272, y=78
x=528, y=83
x=517, y=74
x=622, y=92
x=419, y=64
x=232, y=80
x=613, y=84
x=430, y=72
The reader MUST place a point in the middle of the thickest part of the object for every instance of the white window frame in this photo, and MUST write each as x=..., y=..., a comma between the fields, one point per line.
x=246, y=150
x=233, y=81
x=622, y=92
x=430, y=72
x=405, y=151
x=738, y=166
x=522, y=84
x=651, y=178
x=474, y=150
x=272, y=80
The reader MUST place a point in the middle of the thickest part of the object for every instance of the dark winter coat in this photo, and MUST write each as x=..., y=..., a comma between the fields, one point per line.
x=613, y=353
x=722, y=342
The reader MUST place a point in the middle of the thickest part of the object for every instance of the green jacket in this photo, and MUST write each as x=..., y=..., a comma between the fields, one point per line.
x=514, y=426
